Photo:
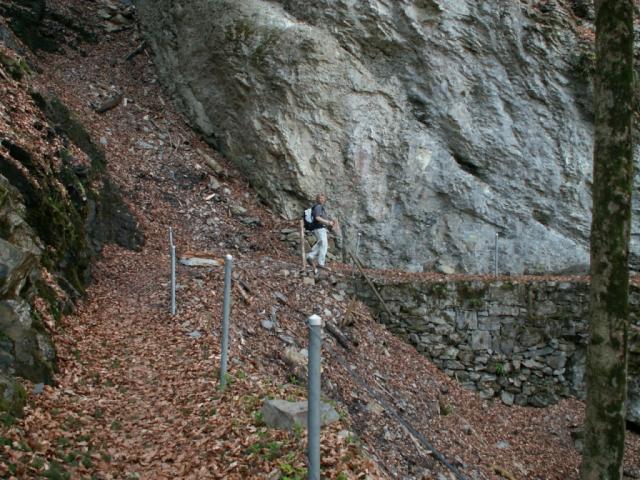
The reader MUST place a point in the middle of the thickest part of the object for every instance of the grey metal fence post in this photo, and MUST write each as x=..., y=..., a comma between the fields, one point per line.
x=225, y=320
x=173, y=279
x=313, y=418
x=496, y=256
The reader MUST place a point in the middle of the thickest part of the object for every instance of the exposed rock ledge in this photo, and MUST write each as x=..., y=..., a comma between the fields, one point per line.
x=432, y=125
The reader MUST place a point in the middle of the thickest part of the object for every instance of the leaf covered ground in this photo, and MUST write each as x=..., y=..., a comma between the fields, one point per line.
x=136, y=394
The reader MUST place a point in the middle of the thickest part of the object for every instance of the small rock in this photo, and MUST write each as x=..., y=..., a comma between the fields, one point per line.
x=251, y=221
x=267, y=324
x=195, y=334
x=308, y=281
x=103, y=141
x=238, y=210
x=38, y=388
x=213, y=184
x=502, y=445
x=375, y=408
x=280, y=297
x=285, y=273
x=200, y=262
x=507, y=397
x=285, y=415
x=446, y=269
x=287, y=339
x=144, y=145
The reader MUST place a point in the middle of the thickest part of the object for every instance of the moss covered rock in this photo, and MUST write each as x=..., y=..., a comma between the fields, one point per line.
x=12, y=396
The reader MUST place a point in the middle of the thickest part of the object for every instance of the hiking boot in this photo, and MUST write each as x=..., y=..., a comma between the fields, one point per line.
x=312, y=264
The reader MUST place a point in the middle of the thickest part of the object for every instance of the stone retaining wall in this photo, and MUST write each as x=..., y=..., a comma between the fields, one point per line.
x=525, y=343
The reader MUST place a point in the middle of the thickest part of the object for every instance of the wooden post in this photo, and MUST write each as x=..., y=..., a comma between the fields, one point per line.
x=304, y=260
x=375, y=290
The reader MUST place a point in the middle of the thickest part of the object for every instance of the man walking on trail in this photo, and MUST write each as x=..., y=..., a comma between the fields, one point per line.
x=321, y=221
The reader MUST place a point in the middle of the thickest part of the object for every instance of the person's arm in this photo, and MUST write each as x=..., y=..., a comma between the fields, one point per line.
x=324, y=221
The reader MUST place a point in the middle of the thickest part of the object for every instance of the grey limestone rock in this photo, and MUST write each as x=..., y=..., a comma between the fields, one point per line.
x=285, y=415
x=431, y=125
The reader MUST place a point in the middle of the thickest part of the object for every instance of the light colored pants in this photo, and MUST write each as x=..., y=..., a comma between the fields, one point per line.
x=320, y=248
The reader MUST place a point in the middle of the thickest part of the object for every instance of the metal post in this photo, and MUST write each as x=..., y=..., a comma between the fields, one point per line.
x=171, y=237
x=225, y=320
x=496, y=256
x=313, y=418
x=353, y=271
x=304, y=260
x=173, y=279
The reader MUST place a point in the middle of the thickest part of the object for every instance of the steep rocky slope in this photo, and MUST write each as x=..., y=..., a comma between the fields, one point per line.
x=57, y=209
x=135, y=395
x=431, y=125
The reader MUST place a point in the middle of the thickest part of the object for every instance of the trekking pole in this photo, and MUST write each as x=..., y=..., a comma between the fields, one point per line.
x=302, y=245
x=172, y=254
x=313, y=413
x=496, y=256
x=225, y=321
x=353, y=271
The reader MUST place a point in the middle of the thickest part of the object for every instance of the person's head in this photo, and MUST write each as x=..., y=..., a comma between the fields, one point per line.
x=320, y=198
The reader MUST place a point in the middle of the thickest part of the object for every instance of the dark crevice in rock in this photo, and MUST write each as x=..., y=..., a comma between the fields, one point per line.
x=541, y=217
x=467, y=165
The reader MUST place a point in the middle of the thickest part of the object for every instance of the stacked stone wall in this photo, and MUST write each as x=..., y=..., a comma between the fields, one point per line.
x=522, y=342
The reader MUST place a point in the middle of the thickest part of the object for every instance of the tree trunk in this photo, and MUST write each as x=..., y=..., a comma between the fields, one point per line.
x=612, y=183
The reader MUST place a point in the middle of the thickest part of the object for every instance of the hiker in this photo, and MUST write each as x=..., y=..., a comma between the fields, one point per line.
x=321, y=222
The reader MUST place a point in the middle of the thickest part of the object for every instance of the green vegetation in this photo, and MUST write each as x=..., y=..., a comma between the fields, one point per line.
x=473, y=297
x=17, y=67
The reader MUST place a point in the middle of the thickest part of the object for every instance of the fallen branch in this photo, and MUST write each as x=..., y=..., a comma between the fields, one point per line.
x=110, y=103
x=245, y=297
x=501, y=471
x=375, y=290
x=136, y=51
x=333, y=330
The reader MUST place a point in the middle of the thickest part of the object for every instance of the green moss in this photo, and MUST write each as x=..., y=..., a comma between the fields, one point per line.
x=59, y=114
x=50, y=296
x=438, y=290
x=584, y=61
x=12, y=403
x=471, y=296
x=17, y=68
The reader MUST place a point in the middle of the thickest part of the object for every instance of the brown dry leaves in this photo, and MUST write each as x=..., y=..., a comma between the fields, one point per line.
x=136, y=394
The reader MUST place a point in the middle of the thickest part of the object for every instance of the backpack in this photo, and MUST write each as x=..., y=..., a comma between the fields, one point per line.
x=309, y=221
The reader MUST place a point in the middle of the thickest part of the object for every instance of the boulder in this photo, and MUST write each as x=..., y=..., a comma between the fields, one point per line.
x=25, y=348
x=16, y=266
x=13, y=397
x=284, y=415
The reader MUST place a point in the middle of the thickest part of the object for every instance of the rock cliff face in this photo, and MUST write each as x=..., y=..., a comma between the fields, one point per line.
x=57, y=208
x=432, y=125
